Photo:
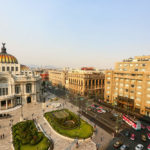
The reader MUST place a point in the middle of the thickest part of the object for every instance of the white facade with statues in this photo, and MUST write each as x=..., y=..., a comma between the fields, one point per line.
x=18, y=84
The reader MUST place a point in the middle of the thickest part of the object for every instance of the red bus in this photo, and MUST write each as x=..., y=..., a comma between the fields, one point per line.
x=134, y=124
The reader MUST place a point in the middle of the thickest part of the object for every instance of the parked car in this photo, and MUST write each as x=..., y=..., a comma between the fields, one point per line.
x=104, y=111
x=139, y=147
x=142, y=126
x=132, y=137
x=117, y=144
x=127, y=133
x=148, y=128
x=148, y=147
x=143, y=138
x=148, y=135
x=100, y=107
x=94, y=105
x=99, y=111
x=124, y=147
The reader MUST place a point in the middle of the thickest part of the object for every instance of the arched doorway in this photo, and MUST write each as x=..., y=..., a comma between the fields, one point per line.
x=29, y=99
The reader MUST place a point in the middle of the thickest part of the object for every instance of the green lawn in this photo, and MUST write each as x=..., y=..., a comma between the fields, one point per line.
x=27, y=137
x=83, y=131
x=42, y=145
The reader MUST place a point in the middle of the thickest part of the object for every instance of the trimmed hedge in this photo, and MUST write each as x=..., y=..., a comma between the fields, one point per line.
x=81, y=130
x=25, y=133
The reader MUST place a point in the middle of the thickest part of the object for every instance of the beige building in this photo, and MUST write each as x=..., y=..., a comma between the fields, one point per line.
x=58, y=77
x=18, y=84
x=86, y=81
x=128, y=85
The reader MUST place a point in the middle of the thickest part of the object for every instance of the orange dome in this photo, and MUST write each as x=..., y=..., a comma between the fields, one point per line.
x=7, y=58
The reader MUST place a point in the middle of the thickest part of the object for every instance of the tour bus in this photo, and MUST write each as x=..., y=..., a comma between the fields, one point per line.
x=134, y=124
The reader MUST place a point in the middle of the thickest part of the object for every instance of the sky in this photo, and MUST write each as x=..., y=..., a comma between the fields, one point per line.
x=75, y=33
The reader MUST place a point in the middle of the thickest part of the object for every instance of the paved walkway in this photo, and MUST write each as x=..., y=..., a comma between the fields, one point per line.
x=36, y=109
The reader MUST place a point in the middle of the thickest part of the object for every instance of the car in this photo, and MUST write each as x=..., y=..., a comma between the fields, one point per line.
x=143, y=138
x=124, y=147
x=115, y=114
x=132, y=137
x=142, y=126
x=148, y=147
x=127, y=133
x=100, y=107
x=148, y=135
x=104, y=111
x=94, y=105
x=148, y=128
x=99, y=111
x=139, y=147
x=117, y=144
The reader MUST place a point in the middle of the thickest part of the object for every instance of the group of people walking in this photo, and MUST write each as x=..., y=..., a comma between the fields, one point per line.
x=2, y=136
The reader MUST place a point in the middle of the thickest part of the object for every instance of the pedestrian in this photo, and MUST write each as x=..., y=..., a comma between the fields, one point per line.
x=101, y=139
x=3, y=135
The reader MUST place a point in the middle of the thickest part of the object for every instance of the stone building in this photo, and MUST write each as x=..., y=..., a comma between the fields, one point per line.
x=86, y=81
x=58, y=77
x=128, y=85
x=18, y=84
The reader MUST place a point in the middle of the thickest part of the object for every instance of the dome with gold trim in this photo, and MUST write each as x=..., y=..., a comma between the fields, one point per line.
x=7, y=58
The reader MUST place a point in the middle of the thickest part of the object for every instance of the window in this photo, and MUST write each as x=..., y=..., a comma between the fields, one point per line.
x=108, y=82
x=132, y=97
x=138, y=105
x=132, y=85
x=138, y=99
x=17, y=89
x=7, y=68
x=108, y=87
x=108, y=77
x=148, y=89
x=132, y=92
x=131, y=65
x=28, y=88
x=126, y=85
x=127, y=90
x=135, y=69
x=148, y=95
x=136, y=64
x=139, y=93
x=143, y=65
x=139, y=87
x=139, y=81
x=16, y=68
x=148, y=82
x=148, y=101
x=12, y=68
x=3, y=68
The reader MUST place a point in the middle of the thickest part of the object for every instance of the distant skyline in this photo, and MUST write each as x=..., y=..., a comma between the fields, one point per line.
x=75, y=33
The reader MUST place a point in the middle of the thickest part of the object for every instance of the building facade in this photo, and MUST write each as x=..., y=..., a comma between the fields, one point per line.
x=86, y=82
x=18, y=84
x=58, y=77
x=128, y=85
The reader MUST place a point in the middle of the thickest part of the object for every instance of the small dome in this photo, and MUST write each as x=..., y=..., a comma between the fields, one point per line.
x=7, y=58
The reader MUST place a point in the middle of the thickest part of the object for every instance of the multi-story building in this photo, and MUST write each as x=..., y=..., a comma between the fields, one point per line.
x=86, y=81
x=18, y=84
x=58, y=77
x=128, y=85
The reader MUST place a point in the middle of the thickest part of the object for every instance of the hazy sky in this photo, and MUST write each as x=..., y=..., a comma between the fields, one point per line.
x=75, y=33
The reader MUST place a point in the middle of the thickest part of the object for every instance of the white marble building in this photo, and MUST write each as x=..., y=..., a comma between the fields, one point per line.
x=18, y=84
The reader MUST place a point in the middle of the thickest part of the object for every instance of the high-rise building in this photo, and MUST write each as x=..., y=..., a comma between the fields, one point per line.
x=128, y=85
